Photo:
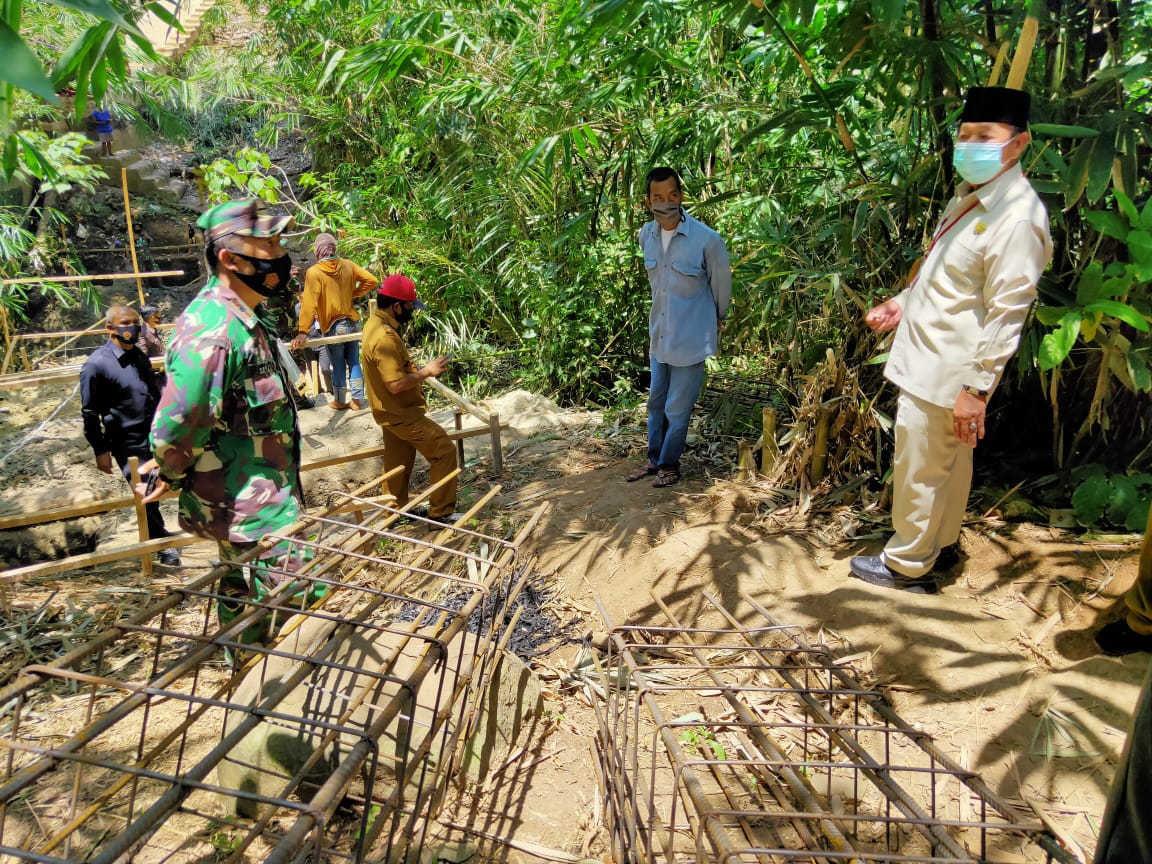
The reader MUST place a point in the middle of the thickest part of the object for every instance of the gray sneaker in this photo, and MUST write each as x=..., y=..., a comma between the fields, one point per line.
x=448, y=519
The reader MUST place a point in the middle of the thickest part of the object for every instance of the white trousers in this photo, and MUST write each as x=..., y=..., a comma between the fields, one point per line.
x=931, y=478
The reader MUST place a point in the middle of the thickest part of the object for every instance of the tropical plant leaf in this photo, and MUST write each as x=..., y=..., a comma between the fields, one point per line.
x=1058, y=130
x=1122, y=311
x=101, y=9
x=1108, y=223
x=21, y=68
x=1056, y=346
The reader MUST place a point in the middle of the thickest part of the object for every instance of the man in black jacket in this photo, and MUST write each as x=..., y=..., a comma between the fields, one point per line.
x=118, y=396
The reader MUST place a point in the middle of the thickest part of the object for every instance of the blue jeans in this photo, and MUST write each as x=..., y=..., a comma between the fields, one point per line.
x=345, y=362
x=674, y=391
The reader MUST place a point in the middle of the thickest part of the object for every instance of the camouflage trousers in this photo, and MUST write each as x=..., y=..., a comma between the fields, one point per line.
x=249, y=583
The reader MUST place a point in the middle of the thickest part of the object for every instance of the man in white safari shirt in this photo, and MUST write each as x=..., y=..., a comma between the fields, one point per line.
x=957, y=324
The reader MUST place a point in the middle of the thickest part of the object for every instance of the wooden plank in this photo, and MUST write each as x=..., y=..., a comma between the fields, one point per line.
x=75, y=562
x=19, y=518
x=378, y=452
x=87, y=277
x=458, y=400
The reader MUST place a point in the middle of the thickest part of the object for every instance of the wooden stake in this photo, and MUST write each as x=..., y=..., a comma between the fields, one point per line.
x=141, y=513
x=1023, y=56
x=131, y=236
x=7, y=338
x=497, y=451
x=769, y=450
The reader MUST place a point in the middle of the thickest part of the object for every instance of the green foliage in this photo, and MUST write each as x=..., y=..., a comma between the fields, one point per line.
x=250, y=174
x=1118, y=500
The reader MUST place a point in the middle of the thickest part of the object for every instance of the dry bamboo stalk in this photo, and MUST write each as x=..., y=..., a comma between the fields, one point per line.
x=745, y=462
x=820, y=448
x=998, y=66
x=131, y=236
x=769, y=449
x=1023, y=56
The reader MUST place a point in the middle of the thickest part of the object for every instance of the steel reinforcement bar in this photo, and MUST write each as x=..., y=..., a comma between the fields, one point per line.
x=737, y=741
x=331, y=739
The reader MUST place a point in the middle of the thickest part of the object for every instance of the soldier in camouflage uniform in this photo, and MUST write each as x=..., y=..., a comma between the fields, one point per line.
x=225, y=433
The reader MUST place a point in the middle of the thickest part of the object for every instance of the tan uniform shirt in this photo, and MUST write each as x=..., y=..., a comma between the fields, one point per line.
x=384, y=357
x=964, y=313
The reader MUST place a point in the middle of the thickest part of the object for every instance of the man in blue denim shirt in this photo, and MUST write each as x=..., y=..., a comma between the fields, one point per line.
x=691, y=283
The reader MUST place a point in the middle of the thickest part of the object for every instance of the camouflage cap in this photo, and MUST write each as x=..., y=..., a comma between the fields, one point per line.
x=241, y=217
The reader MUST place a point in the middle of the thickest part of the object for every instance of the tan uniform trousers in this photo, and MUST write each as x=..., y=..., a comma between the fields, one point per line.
x=1139, y=596
x=401, y=441
x=931, y=478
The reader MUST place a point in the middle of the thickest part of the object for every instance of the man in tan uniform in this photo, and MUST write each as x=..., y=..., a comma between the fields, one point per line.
x=396, y=395
x=957, y=323
x=330, y=286
x=1133, y=632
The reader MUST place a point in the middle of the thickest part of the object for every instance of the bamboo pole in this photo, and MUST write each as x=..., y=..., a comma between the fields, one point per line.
x=131, y=236
x=998, y=66
x=87, y=277
x=458, y=400
x=1023, y=56
x=32, y=337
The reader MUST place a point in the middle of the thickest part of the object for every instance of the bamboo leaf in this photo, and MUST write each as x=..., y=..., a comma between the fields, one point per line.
x=1121, y=311
x=1058, y=130
x=1077, y=177
x=101, y=9
x=1100, y=169
x=21, y=68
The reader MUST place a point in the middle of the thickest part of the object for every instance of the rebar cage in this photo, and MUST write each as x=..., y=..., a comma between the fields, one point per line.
x=740, y=742
x=335, y=741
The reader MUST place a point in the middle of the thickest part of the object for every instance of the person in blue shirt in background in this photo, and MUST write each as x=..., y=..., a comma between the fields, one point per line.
x=104, y=129
x=691, y=283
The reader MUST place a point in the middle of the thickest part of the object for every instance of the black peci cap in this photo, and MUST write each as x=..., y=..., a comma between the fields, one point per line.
x=997, y=105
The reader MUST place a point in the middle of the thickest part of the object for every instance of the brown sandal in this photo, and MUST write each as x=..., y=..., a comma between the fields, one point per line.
x=665, y=479
x=640, y=474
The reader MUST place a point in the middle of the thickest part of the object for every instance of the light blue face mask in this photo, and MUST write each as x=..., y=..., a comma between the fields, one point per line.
x=978, y=163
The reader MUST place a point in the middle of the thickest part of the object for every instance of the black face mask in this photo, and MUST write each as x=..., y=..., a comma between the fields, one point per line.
x=280, y=267
x=129, y=334
x=406, y=313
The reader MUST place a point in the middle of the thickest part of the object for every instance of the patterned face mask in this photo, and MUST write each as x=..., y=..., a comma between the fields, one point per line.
x=278, y=268
x=666, y=209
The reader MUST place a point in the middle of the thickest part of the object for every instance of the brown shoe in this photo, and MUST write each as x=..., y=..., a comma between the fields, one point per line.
x=354, y=404
x=339, y=406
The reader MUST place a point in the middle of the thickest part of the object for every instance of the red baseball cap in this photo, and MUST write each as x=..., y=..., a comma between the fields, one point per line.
x=399, y=287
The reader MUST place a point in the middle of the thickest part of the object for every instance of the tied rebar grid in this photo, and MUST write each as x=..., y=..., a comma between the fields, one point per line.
x=140, y=745
x=740, y=742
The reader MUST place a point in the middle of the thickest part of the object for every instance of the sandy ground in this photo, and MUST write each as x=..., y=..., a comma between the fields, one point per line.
x=999, y=667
